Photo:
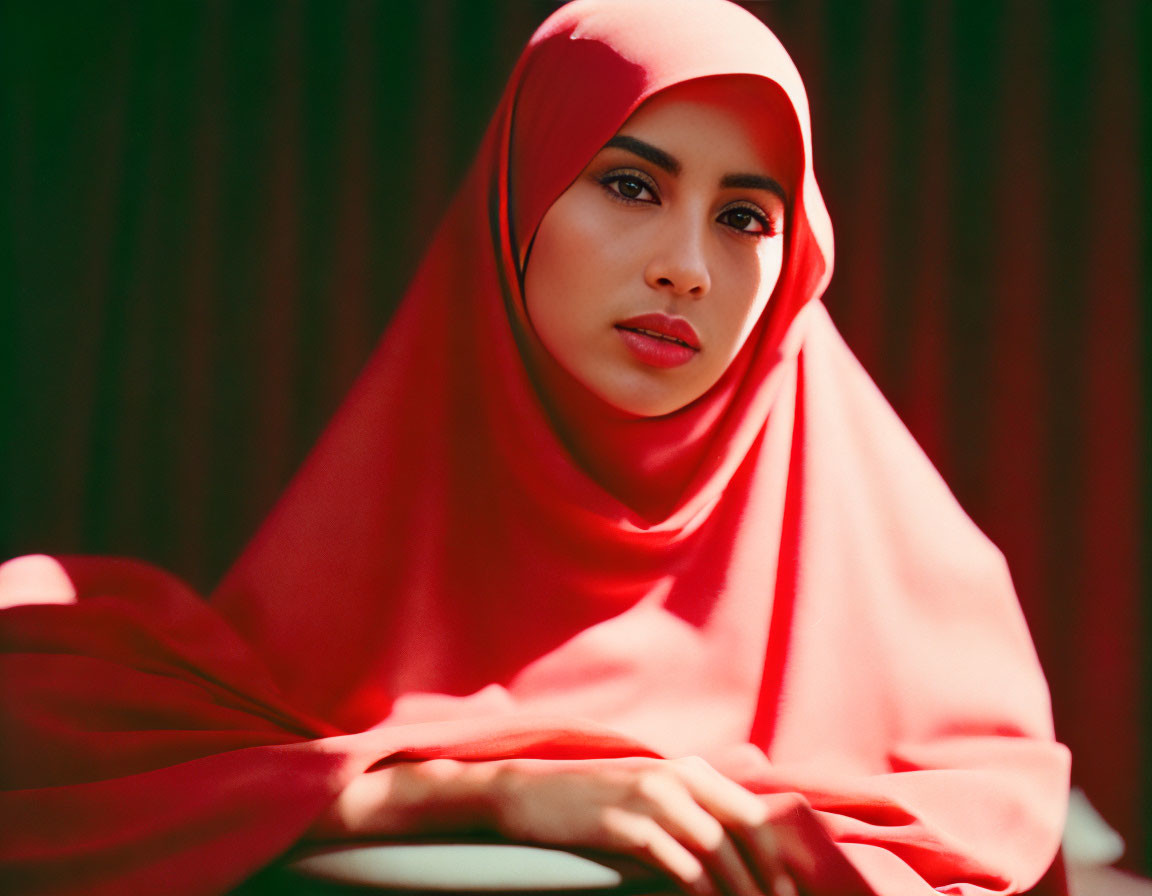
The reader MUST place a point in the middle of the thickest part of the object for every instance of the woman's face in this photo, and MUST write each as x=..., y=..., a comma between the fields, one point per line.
x=648, y=273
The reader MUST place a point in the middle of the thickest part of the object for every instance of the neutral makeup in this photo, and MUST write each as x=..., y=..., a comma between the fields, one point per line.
x=648, y=274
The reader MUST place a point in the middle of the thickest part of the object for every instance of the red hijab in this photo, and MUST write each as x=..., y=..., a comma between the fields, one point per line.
x=480, y=559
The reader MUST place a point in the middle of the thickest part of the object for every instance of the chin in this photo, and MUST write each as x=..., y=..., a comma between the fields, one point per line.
x=637, y=404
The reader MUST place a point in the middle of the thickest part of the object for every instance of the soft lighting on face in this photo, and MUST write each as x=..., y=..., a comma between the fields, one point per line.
x=648, y=274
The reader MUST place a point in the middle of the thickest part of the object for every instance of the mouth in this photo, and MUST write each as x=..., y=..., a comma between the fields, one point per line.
x=656, y=335
x=675, y=330
x=658, y=340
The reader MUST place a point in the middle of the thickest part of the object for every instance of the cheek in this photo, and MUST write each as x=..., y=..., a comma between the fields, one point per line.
x=548, y=277
x=770, y=269
x=751, y=282
x=566, y=263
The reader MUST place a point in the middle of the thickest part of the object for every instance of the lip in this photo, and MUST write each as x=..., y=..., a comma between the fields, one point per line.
x=669, y=328
x=659, y=340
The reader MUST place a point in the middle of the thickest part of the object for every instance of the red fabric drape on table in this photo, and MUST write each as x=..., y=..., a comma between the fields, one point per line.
x=210, y=209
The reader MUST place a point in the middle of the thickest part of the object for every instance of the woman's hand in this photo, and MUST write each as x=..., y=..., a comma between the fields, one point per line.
x=681, y=816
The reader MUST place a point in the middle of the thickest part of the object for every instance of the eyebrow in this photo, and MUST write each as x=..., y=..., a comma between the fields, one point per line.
x=754, y=182
x=661, y=159
x=646, y=151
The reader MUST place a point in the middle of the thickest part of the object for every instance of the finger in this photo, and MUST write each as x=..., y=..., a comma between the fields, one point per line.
x=762, y=848
x=745, y=815
x=732, y=804
x=674, y=808
x=784, y=885
x=643, y=838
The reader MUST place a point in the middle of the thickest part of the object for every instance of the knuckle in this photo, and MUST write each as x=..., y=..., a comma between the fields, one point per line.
x=698, y=771
x=698, y=763
x=651, y=785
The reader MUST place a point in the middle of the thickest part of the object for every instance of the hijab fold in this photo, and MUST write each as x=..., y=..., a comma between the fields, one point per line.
x=481, y=560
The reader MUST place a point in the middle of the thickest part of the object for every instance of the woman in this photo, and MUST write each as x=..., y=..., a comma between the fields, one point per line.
x=613, y=545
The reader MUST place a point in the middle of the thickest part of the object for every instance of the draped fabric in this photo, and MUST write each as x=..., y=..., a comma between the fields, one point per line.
x=170, y=287
x=987, y=166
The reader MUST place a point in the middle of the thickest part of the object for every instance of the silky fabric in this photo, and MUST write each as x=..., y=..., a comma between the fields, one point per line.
x=482, y=560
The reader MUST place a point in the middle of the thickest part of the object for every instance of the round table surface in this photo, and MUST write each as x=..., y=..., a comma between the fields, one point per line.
x=469, y=867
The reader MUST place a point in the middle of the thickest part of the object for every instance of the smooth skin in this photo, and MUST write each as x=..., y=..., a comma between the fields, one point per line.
x=701, y=239
x=703, y=242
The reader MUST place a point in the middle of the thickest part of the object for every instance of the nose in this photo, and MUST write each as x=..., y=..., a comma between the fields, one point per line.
x=678, y=263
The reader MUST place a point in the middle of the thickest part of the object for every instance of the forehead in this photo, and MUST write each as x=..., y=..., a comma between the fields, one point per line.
x=722, y=122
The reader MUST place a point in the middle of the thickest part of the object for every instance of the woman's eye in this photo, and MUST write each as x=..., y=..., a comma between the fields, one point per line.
x=747, y=220
x=631, y=187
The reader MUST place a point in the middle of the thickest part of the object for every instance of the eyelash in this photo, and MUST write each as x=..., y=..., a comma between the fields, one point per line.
x=771, y=228
x=611, y=181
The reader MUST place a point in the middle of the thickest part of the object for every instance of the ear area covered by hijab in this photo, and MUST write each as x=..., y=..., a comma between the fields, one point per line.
x=476, y=561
